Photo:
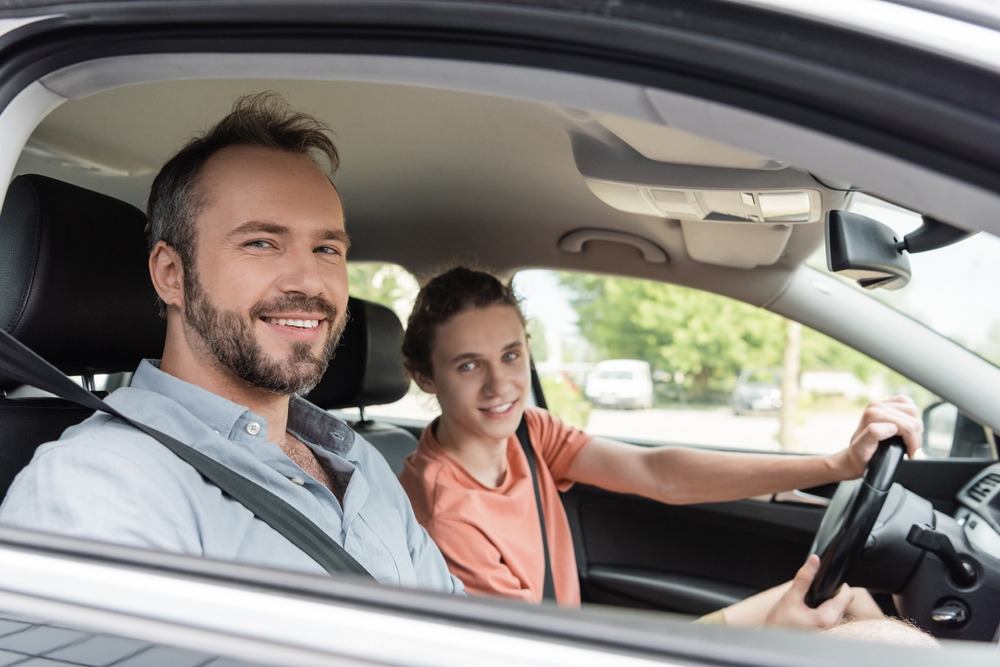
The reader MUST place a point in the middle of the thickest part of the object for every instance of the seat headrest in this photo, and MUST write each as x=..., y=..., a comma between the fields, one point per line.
x=74, y=277
x=367, y=368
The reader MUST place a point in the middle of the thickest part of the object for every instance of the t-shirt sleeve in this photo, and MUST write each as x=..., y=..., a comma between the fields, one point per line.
x=474, y=559
x=557, y=442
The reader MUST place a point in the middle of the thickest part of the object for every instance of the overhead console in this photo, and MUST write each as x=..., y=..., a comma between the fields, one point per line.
x=730, y=216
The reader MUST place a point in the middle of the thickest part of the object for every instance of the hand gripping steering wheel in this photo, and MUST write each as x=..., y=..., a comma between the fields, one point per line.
x=849, y=519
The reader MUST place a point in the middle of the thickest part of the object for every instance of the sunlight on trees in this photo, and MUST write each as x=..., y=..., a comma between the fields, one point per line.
x=707, y=338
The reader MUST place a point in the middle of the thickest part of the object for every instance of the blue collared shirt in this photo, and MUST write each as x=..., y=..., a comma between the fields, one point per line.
x=104, y=480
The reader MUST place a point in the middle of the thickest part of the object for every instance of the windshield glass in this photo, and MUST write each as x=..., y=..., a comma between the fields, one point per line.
x=953, y=290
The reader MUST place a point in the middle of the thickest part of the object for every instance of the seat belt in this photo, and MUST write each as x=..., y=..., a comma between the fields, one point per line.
x=19, y=363
x=548, y=588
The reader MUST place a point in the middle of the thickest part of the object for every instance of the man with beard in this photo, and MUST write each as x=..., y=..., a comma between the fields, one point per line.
x=248, y=256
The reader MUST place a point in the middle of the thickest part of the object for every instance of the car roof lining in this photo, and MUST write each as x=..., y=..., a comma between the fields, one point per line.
x=500, y=94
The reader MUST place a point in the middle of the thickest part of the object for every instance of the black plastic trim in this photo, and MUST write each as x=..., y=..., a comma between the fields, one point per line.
x=665, y=590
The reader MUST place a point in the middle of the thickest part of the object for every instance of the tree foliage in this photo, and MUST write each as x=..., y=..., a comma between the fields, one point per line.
x=388, y=284
x=708, y=338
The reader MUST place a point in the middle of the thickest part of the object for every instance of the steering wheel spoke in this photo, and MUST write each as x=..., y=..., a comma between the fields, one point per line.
x=849, y=520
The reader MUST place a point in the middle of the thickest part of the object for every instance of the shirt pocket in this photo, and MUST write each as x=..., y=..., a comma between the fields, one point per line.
x=389, y=550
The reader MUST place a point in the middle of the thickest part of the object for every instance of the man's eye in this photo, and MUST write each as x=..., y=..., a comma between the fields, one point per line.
x=467, y=366
x=329, y=250
x=259, y=243
x=511, y=356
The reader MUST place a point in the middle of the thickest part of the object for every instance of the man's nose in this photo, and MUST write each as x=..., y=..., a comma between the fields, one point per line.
x=301, y=273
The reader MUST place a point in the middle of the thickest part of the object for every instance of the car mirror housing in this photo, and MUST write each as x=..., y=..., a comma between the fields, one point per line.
x=869, y=252
x=864, y=250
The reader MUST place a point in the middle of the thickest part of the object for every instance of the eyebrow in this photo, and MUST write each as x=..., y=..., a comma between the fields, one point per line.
x=475, y=355
x=262, y=226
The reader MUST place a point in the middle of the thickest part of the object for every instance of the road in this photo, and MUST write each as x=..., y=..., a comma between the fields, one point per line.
x=817, y=432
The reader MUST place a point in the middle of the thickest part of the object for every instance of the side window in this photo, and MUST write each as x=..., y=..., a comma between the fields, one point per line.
x=393, y=286
x=653, y=363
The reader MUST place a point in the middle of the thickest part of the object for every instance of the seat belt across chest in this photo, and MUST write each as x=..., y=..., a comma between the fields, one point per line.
x=19, y=363
x=548, y=587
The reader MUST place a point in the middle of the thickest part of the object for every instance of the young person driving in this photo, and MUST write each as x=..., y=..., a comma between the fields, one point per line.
x=471, y=487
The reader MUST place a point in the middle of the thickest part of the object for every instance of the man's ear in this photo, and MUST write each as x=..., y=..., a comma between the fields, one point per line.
x=167, y=274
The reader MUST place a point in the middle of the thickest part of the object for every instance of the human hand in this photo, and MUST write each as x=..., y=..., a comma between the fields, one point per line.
x=791, y=611
x=898, y=415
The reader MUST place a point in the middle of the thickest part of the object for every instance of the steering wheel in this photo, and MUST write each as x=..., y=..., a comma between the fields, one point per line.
x=849, y=519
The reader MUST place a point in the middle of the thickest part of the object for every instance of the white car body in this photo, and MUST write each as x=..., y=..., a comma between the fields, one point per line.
x=620, y=383
x=266, y=616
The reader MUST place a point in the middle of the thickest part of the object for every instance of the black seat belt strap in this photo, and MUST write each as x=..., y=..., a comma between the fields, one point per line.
x=19, y=363
x=548, y=588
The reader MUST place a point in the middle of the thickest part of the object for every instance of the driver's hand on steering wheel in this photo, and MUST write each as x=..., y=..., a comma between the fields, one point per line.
x=791, y=610
x=898, y=415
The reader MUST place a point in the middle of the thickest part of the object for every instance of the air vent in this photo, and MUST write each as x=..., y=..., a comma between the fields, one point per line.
x=982, y=489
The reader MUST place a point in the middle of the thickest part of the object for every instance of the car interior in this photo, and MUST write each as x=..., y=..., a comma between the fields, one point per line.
x=507, y=169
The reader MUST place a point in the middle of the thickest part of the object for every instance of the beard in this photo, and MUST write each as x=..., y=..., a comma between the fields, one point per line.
x=229, y=335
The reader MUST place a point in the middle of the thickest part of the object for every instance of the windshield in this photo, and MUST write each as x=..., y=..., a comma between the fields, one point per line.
x=953, y=290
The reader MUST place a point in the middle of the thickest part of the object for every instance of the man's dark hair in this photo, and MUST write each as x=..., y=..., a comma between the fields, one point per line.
x=263, y=120
x=443, y=298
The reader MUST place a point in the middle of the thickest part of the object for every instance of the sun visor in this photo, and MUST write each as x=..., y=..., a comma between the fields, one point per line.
x=670, y=144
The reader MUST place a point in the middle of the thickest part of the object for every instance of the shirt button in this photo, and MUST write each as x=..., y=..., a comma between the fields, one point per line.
x=253, y=428
x=298, y=480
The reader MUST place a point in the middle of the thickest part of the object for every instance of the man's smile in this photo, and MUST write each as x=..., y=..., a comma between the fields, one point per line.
x=299, y=326
x=293, y=322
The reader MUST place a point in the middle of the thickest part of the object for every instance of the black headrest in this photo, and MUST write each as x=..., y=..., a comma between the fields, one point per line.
x=74, y=277
x=368, y=366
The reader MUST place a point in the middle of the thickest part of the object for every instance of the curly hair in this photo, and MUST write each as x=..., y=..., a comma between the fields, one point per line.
x=263, y=120
x=441, y=299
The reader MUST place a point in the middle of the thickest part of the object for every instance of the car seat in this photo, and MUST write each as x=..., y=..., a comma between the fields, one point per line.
x=75, y=288
x=367, y=370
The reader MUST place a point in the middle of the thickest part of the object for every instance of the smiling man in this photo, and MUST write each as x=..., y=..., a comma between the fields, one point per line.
x=248, y=256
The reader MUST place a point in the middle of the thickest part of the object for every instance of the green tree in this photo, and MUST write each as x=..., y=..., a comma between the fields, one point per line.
x=707, y=337
x=388, y=284
x=820, y=352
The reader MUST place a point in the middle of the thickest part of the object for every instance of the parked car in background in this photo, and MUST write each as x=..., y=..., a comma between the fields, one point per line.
x=620, y=383
x=757, y=389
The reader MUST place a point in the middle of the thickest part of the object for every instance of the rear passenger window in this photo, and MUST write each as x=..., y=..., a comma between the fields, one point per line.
x=394, y=287
x=653, y=363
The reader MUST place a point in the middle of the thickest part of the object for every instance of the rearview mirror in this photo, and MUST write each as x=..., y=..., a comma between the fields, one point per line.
x=864, y=250
x=869, y=252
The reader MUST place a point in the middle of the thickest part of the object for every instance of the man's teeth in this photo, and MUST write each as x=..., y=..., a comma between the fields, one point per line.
x=501, y=408
x=302, y=324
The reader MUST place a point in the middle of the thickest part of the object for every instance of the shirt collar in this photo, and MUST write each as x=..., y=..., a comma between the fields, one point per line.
x=216, y=412
x=305, y=420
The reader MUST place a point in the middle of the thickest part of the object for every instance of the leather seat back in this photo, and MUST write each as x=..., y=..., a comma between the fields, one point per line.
x=366, y=370
x=75, y=288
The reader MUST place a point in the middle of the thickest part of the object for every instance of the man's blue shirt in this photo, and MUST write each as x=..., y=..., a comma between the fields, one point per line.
x=104, y=480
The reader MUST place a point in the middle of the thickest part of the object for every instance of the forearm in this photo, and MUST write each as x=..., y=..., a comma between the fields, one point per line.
x=679, y=475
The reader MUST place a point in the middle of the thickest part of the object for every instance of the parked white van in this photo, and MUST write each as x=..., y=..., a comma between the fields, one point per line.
x=620, y=383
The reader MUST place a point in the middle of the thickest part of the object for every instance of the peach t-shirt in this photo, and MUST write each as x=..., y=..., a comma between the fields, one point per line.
x=491, y=538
